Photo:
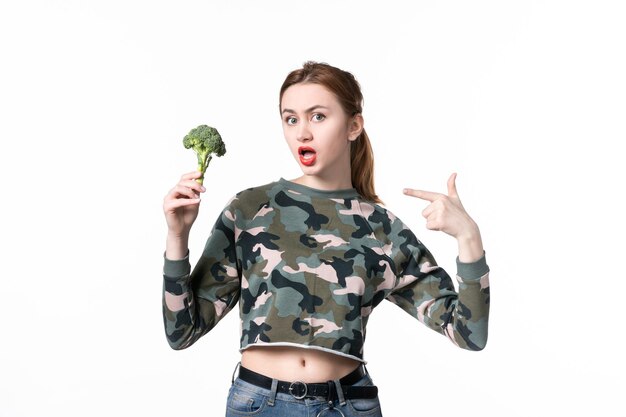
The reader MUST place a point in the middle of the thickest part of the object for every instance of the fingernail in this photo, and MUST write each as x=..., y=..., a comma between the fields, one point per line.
x=203, y=189
x=405, y=191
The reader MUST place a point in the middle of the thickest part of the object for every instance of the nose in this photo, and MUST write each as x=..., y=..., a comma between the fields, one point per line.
x=303, y=133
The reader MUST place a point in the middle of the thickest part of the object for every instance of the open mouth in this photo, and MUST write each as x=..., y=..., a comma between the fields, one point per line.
x=307, y=155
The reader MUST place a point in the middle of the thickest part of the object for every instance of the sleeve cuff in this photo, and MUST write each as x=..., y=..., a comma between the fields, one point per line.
x=176, y=269
x=473, y=270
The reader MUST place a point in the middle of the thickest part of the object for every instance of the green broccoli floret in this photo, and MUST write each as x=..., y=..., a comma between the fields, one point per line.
x=205, y=140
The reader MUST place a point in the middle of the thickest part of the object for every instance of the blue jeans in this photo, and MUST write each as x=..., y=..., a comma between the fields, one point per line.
x=245, y=399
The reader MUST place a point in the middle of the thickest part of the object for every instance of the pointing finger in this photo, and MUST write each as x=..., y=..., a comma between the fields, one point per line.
x=452, y=186
x=424, y=195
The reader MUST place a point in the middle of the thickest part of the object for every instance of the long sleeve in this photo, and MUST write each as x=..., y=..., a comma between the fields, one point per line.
x=194, y=302
x=426, y=291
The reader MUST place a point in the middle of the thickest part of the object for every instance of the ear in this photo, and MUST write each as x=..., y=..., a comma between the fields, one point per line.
x=356, y=127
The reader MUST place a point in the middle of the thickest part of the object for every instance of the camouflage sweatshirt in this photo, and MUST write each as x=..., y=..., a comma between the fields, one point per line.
x=308, y=266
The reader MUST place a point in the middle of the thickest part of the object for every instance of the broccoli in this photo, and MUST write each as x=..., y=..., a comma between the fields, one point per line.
x=205, y=140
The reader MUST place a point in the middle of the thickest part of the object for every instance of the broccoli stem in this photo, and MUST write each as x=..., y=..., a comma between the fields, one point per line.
x=203, y=164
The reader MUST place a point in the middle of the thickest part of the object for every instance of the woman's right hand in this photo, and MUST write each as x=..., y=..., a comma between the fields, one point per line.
x=181, y=205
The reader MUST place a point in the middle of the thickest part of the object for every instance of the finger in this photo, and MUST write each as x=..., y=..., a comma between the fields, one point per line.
x=185, y=192
x=191, y=175
x=428, y=211
x=181, y=192
x=452, y=192
x=421, y=194
x=181, y=202
x=193, y=184
x=432, y=225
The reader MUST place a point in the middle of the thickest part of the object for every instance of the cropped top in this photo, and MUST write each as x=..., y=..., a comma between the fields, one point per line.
x=308, y=266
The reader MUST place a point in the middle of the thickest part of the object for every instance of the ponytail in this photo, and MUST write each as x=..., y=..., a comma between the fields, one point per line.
x=362, y=168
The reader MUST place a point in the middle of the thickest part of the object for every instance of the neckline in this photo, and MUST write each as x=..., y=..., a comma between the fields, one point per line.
x=315, y=192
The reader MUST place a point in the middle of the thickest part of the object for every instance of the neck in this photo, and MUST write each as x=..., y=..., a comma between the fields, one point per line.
x=321, y=183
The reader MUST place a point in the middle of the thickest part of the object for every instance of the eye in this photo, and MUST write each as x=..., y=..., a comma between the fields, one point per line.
x=318, y=117
x=290, y=120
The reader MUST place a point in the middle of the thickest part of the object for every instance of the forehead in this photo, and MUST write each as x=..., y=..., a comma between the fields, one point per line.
x=300, y=97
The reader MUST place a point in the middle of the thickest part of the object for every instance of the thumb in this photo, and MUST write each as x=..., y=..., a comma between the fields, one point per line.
x=452, y=186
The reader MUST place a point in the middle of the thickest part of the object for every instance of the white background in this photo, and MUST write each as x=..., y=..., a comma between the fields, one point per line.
x=524, y=99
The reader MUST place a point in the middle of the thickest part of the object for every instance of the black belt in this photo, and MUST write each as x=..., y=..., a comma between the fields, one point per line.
x=302, y=390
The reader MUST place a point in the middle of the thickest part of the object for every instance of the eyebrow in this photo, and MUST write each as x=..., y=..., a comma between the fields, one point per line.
x=309, y=110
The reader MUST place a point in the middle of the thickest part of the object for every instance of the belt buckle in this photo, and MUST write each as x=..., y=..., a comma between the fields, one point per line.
x=295, y=384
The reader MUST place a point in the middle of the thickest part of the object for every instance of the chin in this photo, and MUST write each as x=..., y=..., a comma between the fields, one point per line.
x=310, y=170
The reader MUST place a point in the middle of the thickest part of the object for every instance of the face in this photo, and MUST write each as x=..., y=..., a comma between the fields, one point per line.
x=317, y=130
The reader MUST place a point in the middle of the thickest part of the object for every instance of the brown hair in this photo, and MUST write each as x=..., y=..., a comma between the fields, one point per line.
x=348, y=91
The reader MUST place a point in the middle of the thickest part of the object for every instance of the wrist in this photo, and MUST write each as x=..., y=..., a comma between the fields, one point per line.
x=470, y=245
x=470, y=233
x=175, y=236
x=176, y=246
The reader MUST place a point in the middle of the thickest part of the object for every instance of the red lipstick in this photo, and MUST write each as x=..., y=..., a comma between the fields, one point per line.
x=307, y=155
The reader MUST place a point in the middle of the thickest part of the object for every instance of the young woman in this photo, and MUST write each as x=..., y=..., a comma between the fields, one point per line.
x=308, y=259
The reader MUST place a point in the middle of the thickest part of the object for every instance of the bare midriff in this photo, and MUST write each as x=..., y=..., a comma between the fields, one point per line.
x=297, y=364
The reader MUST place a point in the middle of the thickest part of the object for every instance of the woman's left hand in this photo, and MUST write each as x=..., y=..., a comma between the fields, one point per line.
x=446, y=213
